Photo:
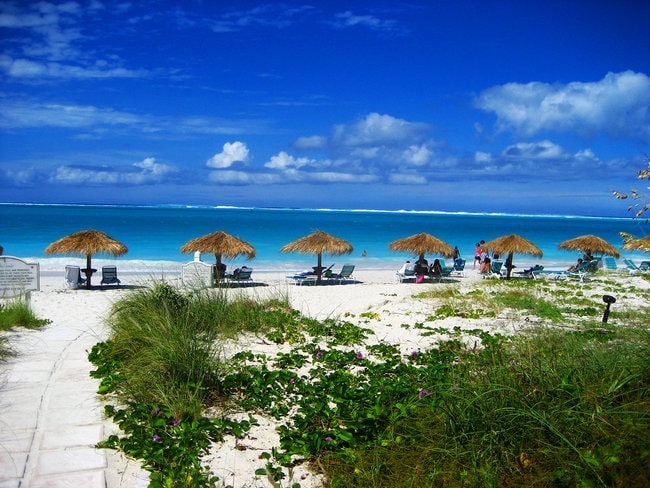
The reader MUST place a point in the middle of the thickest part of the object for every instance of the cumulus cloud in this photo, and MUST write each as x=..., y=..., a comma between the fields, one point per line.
x=283, y=161
x=144, y=172
x=417, y=155
x=617, y=105
x=376, y=129
x=369, y=149
x=232, y=153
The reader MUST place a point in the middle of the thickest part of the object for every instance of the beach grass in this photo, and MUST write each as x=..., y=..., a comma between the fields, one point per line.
x=563, y=403
x=16, y=313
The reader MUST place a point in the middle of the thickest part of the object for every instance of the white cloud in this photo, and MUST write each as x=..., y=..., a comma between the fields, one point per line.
x=348, y=19
x=407, y=179
x=230, y=177
x=150, y=167
x=50, y=43
x=283, y=161
x=311, y=142
x=482, y=157
x=534, y=150
x=232, y=153
x=618, y=105
x=417, y=155
x=146, y=172
x=26, y=68
x=24, y=114
x=379, y=129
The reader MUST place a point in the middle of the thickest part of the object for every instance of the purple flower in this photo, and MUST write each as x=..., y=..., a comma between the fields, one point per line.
x=157, y=412
x=359, y=355
x=424, y=393
x=319, y=355
x=176, y=422
x=328, y=439
x=155, y=438
x=603, y=331
x=292, y=381
x=413, y=353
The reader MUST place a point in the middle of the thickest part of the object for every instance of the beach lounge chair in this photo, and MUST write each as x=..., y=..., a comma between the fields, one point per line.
x=406, y=273
x=310, y=277
x=344, y=274
x=610, y=263
x=445, y=272
x=581, y=272
x=459, y=268
x=633, y=268
x=242, y=275
x=495, y=270
x=73, y=277
x=109, y=276
x=530, y=272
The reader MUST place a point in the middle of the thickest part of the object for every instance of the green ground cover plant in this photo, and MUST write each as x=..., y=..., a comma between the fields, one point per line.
x=551, y=407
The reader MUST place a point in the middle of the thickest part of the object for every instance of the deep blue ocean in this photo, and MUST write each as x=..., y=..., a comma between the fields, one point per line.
x=154, y=235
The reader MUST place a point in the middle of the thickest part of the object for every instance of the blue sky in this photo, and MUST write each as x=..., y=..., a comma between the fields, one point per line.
x=496, y=106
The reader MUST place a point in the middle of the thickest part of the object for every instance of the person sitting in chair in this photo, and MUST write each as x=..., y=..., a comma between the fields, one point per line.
x=575, y=266
x=436, y=269
x=485, y=265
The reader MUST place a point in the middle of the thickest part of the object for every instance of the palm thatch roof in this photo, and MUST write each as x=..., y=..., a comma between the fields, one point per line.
x=422, y=244
x=511, y=244
x=319, y=243
x=632, y=243
x=87, y=243
x=220, y=244
x=590, y=244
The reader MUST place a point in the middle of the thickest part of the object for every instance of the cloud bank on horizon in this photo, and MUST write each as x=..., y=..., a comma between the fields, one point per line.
x=319, y=106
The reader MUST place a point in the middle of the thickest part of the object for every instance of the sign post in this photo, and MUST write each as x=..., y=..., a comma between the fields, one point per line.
x=17, y=277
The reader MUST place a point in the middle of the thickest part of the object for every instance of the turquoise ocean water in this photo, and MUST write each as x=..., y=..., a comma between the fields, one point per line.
x=154, y=235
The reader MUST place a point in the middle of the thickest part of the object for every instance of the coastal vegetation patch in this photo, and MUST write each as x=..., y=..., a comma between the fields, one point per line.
x=565, y=402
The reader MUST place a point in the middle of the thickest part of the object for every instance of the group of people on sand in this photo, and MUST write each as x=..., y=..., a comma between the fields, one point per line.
x=482, y=258
x=423, y=268
x=484, y=261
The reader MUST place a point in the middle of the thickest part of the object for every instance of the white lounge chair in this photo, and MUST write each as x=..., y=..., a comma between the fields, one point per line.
x=242, y=275
x=406, y=273
x=73, y=277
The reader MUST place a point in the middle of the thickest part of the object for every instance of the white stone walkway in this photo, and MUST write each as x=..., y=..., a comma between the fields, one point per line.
x=50, y=415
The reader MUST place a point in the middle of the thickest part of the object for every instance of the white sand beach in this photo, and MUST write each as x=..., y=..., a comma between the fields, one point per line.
x=52, y=417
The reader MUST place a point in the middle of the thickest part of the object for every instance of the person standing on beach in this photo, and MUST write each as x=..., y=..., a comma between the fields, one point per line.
x=477, y=255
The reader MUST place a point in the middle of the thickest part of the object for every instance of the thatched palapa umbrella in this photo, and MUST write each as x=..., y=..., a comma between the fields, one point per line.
x=590, y=244
x=87, y=243
x=220, y=244
x=422, y=244
x=319, y=243
x=510, y=245
x=635, y=244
